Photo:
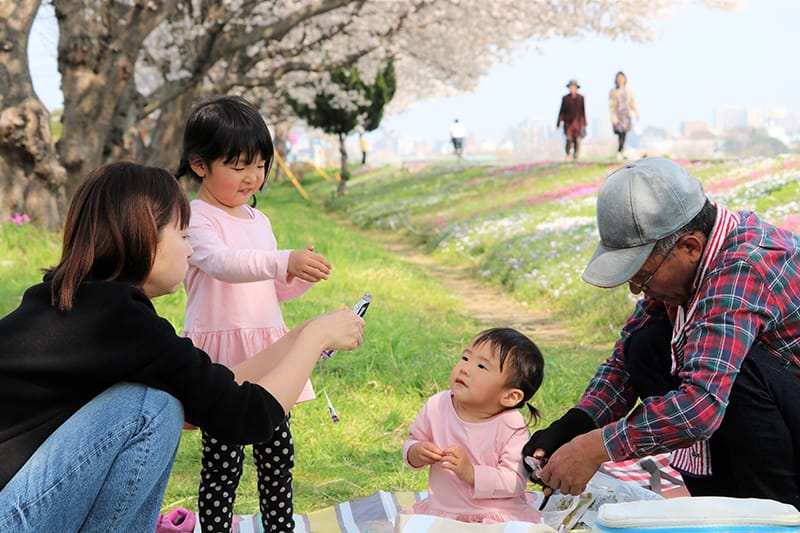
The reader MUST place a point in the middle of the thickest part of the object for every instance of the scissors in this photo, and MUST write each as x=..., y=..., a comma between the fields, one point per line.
x=536, y=464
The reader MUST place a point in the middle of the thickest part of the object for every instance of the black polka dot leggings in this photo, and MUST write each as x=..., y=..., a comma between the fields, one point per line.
x=222, y=469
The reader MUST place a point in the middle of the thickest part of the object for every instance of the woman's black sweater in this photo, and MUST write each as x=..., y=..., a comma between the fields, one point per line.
x=54, y=362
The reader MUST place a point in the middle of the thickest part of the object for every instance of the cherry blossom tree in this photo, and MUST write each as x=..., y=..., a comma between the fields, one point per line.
x=346, y=102
x=131, y=69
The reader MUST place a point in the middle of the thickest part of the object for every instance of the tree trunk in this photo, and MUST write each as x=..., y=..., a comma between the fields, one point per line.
x=31, y=179
x=165, y=145
x=97, y=49
x=343, y=170
x=126, y=135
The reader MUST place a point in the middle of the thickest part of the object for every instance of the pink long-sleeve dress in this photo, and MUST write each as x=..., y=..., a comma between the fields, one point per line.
x=236, y=280
x=494, y=447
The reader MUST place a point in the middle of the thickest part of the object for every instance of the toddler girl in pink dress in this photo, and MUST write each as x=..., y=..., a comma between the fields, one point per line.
x=237, y=278
x=472, y=435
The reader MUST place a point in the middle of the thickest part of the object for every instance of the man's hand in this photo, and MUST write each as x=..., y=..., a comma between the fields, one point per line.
x=424, y=454
x=571, y=467
x=457, y=462
x=546, y=441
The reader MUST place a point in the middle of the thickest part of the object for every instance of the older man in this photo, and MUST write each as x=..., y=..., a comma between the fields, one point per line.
x=708, y=364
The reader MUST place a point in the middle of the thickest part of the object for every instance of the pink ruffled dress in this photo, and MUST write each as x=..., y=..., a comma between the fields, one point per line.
x=236, y=280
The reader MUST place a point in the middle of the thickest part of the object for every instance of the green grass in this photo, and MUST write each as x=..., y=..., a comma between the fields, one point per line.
x=530, y=229
x=24, y=251
x=412, y=338
x=527, y=230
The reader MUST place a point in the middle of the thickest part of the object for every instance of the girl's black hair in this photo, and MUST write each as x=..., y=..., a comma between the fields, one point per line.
x=225, y=127
x=527, y=364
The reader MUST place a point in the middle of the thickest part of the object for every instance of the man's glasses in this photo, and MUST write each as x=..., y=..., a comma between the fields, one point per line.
x=642, y=287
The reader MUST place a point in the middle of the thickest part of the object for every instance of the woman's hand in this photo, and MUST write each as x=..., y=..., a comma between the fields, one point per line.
x=339, y=330
x=283, y=367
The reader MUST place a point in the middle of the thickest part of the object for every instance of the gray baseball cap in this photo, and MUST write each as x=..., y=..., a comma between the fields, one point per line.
x=638, y=204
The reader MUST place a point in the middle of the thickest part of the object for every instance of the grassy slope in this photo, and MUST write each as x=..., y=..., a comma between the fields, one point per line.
x=503, y=222
x=413, y=335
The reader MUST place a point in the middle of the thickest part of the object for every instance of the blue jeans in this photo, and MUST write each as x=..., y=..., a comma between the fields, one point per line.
x=104, y=469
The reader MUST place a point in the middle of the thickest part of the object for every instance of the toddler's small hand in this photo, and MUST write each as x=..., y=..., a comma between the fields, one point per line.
x=424, y=453
x=456, y=460
x=308, y=265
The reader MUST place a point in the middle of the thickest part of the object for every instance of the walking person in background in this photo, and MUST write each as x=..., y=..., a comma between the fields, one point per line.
x=236, y=281
x=363, y=143
x=573, y=115
x=621, y=103
x=457, y=134
x=471, y=436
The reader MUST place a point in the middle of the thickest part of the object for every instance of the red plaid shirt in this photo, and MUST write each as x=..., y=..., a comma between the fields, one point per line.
x=751, y=293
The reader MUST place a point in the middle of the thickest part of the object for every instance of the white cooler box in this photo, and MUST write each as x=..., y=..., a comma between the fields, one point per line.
x=701, y=514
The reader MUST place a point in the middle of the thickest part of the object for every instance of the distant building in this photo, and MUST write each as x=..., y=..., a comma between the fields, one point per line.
x=695, y=128
x=730, y=118
x=532, y=138
x=405, y=145
x=764, y=117
x=602, y=128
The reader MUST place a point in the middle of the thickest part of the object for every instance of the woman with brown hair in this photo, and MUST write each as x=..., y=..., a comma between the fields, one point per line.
x=95, y=386
x=621, y=103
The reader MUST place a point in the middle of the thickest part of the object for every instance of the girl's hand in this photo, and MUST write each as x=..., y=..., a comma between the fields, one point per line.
x=308, y=266
x=423, y=454
x=339, y=330
x=457, y=461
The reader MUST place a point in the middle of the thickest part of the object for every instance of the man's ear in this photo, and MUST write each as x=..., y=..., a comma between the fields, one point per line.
x=511, y=398
x=694, y=243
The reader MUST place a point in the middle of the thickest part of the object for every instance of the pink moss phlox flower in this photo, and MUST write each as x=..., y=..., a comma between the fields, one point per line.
x=565, y=193
x=725, y=184
x=520, y=167
x=525, y=166
x=790, y=222
x=19, y=219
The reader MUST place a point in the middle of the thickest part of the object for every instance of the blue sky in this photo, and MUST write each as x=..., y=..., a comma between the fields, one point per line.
x=701, y=59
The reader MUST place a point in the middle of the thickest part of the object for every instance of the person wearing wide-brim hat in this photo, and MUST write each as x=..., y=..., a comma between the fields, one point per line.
x=573, y=115
x=708, y=364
